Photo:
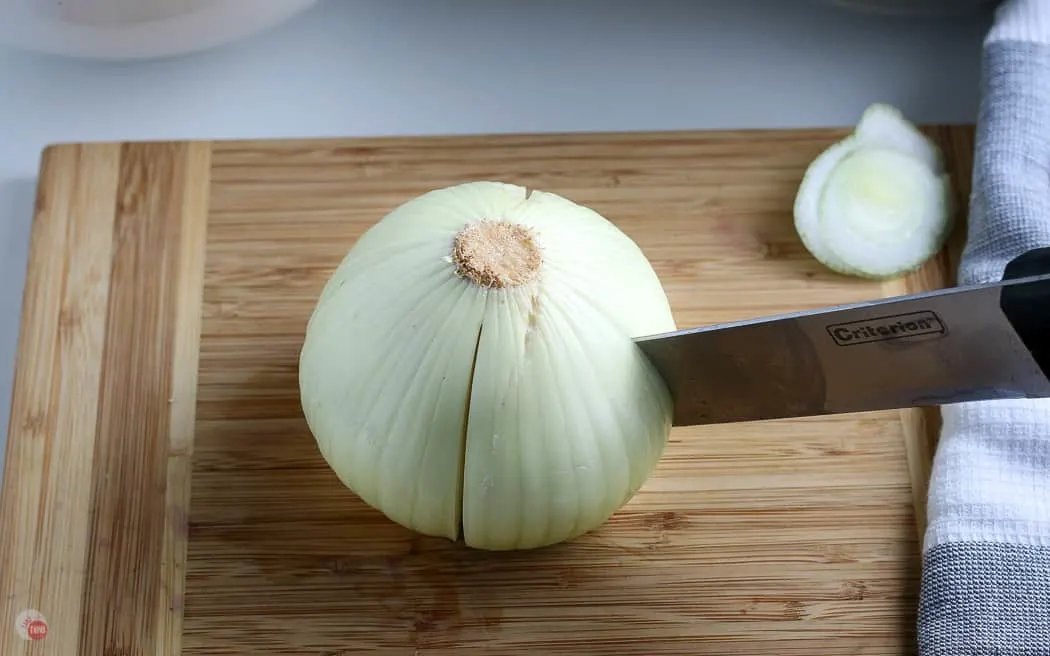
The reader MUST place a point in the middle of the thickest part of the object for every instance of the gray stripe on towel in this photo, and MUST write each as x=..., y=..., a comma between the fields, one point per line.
x=985, y=599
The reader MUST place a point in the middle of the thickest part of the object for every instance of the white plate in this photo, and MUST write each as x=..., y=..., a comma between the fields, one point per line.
x=129, y=29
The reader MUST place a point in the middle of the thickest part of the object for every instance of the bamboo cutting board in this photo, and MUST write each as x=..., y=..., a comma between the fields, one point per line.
x=162, y=494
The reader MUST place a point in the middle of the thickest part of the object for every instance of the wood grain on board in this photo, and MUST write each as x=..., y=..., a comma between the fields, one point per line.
x=162, y=494
x=95, y=490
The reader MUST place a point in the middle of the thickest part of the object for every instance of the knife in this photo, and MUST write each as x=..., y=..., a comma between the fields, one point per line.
x=968, y=343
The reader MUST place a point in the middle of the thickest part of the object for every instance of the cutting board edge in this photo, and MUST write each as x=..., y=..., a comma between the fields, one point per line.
x=533, y=136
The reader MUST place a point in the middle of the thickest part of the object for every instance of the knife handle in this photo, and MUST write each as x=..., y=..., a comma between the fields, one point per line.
x=1027, y=306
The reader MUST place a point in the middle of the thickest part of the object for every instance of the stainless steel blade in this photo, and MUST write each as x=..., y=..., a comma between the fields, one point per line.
x=933, y=348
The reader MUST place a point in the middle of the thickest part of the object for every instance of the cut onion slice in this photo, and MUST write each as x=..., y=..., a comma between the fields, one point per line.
x=878, y=203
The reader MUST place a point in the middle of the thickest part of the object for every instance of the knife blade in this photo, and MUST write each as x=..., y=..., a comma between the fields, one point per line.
x=967, y=343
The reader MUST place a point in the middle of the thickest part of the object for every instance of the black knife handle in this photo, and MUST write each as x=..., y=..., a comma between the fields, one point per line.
x=1027, y=306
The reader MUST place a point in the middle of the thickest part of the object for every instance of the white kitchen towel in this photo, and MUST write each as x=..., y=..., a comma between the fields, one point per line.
x=986, y=571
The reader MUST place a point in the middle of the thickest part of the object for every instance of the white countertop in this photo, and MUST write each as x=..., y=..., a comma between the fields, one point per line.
x=376, y=67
